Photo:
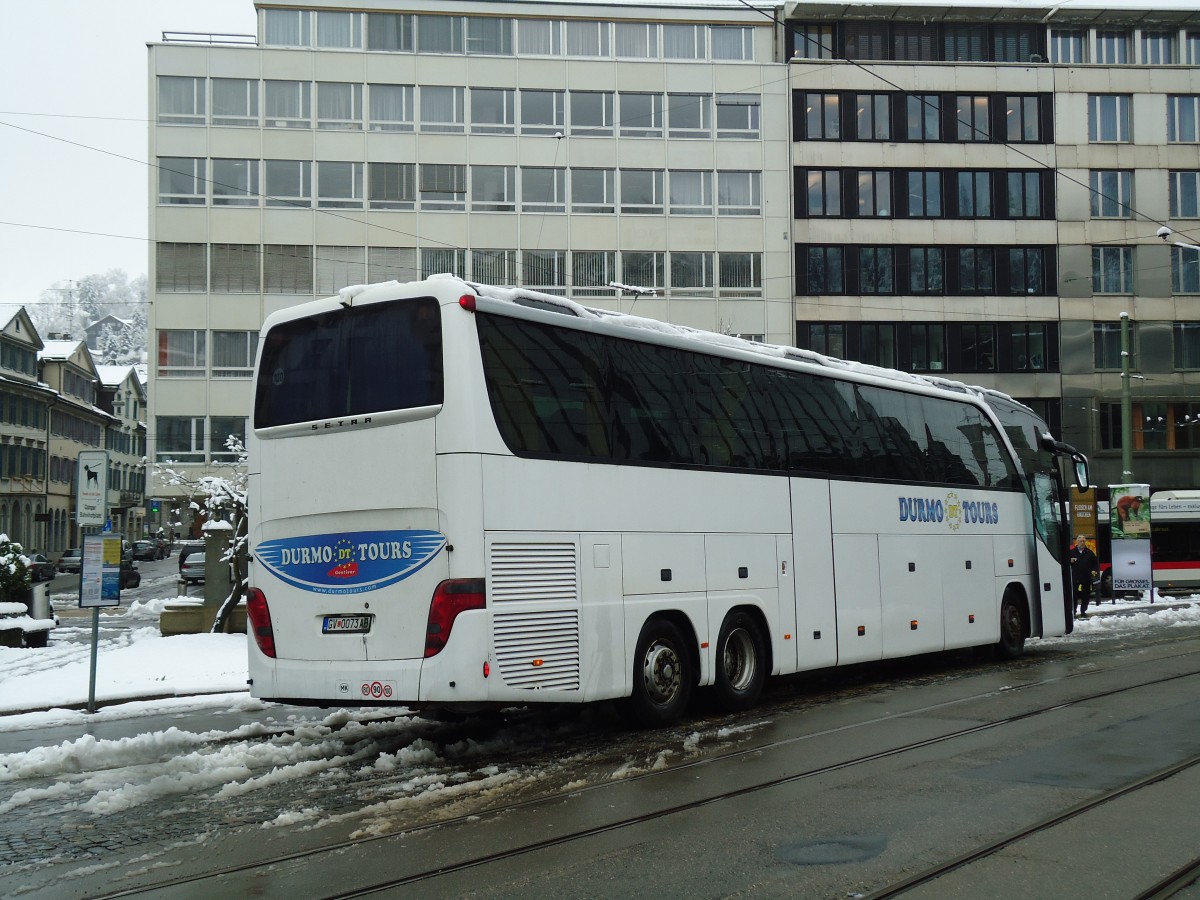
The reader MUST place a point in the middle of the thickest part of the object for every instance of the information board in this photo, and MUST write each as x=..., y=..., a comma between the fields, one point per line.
x=100, y=571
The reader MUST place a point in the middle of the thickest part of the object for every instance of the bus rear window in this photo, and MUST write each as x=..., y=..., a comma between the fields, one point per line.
x=350, y=362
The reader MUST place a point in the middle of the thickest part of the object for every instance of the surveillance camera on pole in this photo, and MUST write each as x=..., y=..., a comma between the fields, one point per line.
x=1164, y=232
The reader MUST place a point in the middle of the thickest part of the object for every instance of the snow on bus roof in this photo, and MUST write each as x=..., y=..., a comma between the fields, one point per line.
x=525, y=297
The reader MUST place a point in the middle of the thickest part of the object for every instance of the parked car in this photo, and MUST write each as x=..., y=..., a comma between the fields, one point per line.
x=191, y=561
x=147, y=550
x=130, y=576
x=71, y=561
x=40, y=568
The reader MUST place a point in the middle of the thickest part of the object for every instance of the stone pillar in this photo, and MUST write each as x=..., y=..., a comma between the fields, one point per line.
x=217, y=581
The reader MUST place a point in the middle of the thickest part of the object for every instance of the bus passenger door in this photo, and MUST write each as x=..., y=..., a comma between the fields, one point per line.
x=1050, y=568
x=812, y=574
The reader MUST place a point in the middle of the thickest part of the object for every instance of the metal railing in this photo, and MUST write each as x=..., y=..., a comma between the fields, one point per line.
x=200, y=37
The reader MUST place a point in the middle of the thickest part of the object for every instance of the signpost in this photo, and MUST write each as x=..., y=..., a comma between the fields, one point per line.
x=100, y=568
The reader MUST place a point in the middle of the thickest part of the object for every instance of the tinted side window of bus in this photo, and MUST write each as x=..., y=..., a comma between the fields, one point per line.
x=564, y=393
x=351, y=362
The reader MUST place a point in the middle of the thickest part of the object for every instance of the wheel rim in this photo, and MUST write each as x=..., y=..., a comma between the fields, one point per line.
x=739, y=660
x=1012, y=624
x=661, y=671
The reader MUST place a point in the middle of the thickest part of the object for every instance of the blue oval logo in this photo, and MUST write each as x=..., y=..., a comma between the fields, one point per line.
x=349, y=562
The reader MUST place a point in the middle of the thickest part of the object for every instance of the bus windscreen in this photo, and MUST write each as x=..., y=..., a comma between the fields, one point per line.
x=351, y=361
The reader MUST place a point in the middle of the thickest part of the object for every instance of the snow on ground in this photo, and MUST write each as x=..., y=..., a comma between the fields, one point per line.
x=409, y=759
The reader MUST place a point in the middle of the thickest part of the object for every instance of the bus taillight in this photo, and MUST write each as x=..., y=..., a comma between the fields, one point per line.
x=449, y=599
x=260, y=622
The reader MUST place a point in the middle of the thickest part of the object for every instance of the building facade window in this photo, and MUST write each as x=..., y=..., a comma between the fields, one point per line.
x=927, y=346
x=233, y=353
x=287, y=269
x=543, y=112
x=822, y=117
x=691, y=192
x=692, y=274
x=539, y=37
x=592, y=271
x=637, y=40
x=974, y=194
x=976, y=270
x=1026, y=270
x=287, y=104
x=391, y=185
x=235, y=182
x=1112, y=47
x=1183, y=113
x=235, y=268
x=1185, y=270
x=339, y=266
x=1068, y=45
x=738, y=116
x=874, y=193
x=1109, y=118
x=1112, y=193
x=235, y=102
x=339, y=184
x=391, y=107
x=683, y=41
x=1187, y=345
x=182, y=181
x=181, y=100
x=181, y=354
x=926, y=270
x=439, y=34
x=1025, y=195
x=812, y=41
x=872, y=118
x=739, y=193
x=288, y=182
x=739, y=274
x=731, y=42
x=642, y=191
x=543, y=189
x=493, y=111
x=180, y=268
x=592, y=113
x=494, y=188
x=1022, y=119
x=179, y=438
x=442, y=107
x=588, y=38
x=923, y=117
x=593, y=190
x=1184, y=191
x=689, y=115
x=1157, y=48
x=644, y=268
x=641, y=114
x=438, y=260
x=823, y=192
x=390, y=31
x=443, y=186
x=1106, y=344
x=545, y=270
x=972, y=118
x=339, y=106
x=489, y=35
x=1112, y=270
x=924, y=194
x=876, y=270
x=495, y=266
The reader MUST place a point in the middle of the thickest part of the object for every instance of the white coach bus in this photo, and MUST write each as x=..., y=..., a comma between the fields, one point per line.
x=464, y=496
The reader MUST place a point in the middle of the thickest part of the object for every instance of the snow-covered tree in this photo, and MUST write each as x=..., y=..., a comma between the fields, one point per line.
x=221, y=498
x=69, y=307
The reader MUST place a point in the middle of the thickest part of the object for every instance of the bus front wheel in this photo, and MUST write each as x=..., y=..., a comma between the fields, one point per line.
x=1012, y=629
x=741, y=663
x=662, y=675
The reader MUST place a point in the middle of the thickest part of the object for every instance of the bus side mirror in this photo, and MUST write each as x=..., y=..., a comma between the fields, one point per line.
x=1081, y=472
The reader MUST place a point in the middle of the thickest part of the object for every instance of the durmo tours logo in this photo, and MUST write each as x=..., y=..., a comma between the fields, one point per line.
x=349, y=562
x=948, y=510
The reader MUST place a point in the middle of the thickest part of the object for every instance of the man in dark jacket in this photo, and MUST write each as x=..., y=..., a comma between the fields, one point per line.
x=1084, y=567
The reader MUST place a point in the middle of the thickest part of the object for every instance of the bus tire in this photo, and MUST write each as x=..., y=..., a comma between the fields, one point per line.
x=662, y=675
x=741, y=663
x=1012, y=628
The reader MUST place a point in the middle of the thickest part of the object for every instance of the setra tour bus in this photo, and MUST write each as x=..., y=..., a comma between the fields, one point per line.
x=464, y=496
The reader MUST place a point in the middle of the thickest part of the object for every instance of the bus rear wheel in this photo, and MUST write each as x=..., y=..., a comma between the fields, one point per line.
x=662, y=675
x=1012, y=629
x=741, y=663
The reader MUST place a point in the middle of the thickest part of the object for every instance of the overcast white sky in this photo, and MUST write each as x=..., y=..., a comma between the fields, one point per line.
x=76, y=69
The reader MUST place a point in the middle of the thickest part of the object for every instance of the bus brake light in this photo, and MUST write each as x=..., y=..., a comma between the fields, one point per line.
x=449, y=599
x=260, y=622
x=467, y=302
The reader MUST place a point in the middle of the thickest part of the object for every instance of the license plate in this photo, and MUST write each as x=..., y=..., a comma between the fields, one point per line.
x=346, y=624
